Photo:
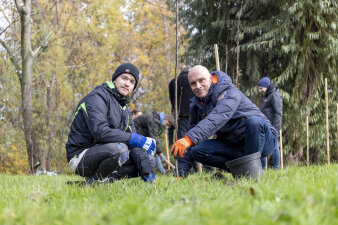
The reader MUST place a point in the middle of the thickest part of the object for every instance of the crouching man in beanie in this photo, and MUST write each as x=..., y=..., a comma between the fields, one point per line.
x=102, y=138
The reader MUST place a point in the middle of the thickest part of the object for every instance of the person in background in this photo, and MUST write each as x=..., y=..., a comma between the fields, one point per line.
x=272, y=108
x=135, y=113
x=103, y=138
x=184, y=93
x=152, y=125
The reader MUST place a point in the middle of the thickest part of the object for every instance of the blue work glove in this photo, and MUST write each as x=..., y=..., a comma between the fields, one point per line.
x=150, y=178
x=139, y=141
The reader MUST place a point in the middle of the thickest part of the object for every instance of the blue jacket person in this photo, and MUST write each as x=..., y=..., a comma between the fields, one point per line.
x=219, y=108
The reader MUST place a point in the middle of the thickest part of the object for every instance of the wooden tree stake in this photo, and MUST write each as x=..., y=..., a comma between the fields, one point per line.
x=307, y=141
x=327, y=124
x=281, y=148
x=167, y=145
x=217, y=57
x=176, y=72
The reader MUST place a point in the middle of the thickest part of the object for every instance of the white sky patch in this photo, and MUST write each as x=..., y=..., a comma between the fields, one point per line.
x=5, y=12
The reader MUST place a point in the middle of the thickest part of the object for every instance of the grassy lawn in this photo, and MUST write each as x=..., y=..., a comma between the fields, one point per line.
x=303, y=195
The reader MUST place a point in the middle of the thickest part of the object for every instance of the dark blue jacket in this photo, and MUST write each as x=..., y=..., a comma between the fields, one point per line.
x=272, y=106
x=224, y=112
x=100, y=117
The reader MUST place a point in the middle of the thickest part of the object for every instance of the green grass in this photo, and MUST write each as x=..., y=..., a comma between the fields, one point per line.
x=303, y=195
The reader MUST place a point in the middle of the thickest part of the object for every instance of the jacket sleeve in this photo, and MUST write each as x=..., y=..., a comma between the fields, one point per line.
x=97, y=122
x=225, y=107
x=278, y=109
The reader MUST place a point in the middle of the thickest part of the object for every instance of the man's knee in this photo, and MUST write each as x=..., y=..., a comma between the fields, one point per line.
x=254, y=123
x=118, y=151
x=198, y=153
x=115, y=149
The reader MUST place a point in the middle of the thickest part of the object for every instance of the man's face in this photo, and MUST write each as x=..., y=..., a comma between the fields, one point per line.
x=262, y=90
x=200, y=82
x=125, y=83
x=166, y=123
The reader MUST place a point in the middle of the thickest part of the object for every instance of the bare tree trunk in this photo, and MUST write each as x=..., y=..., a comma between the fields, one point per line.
x=176, y=73
x=165, y=43
x=59, y=127
x=25, y=76
x=294, y=158
x=26, y=85
x=238, y=73
x=227, y=52
x=46, y=154
x=51, y=132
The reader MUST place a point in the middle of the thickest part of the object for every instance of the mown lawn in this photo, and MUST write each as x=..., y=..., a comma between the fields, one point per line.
x=303, y=195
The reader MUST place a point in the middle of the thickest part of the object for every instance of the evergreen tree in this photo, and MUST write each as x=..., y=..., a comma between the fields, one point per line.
x=304, y=32
x=293, y=42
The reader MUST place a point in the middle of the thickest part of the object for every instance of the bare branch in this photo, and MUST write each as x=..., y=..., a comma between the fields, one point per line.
x=43, y=44
x=8, y=26
x=9, y=22
x=18, y=6
x=13, y=59
x=77, y=66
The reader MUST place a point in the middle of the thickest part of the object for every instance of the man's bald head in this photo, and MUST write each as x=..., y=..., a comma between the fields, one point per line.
x=200, y=80
x=199, y=69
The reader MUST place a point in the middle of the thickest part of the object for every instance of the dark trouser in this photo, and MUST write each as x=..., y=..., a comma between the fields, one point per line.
x=213, y=152
x=100, y=160
x=139, y=164
x=183, y=123
x=275, y=156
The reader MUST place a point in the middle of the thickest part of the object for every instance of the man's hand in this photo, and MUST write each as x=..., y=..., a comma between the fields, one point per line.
x=181, y=145
x=139, y=141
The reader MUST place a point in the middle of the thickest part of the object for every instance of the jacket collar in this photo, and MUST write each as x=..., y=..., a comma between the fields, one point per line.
x=270, y=89
x=122, y=100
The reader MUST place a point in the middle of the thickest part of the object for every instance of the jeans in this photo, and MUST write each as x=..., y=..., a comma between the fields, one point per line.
x=275, y=159
x=215, y=152
x=159, y=164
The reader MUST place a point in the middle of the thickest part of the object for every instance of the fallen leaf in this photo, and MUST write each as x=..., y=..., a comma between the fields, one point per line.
x=252, y=191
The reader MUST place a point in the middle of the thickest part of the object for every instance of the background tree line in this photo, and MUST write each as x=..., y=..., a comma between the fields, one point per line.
x=76, y=45
x=293, y=42
x=86, y=41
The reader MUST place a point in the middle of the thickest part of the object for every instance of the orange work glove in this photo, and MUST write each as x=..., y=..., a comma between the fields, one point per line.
x=181, y=145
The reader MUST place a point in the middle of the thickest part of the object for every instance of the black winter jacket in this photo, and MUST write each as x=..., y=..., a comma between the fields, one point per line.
x=184, y=93
x=100, y=117
x=224, y=112
x=272, y=106
x=149, y=125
